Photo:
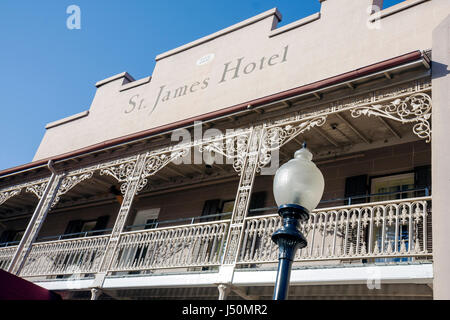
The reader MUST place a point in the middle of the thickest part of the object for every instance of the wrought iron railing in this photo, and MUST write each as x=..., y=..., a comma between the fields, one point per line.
x=222, y=216
x=65, y=257
x=199, y=245
x=6, y=255
x=394, y=230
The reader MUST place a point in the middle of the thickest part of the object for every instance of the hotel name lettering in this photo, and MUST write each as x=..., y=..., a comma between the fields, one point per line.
x=232, y=70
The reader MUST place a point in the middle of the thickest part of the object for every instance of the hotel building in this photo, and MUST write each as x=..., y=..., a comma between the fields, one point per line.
x=162, y=189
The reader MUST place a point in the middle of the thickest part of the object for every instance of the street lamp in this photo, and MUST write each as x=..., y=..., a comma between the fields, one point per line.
x=298, y=187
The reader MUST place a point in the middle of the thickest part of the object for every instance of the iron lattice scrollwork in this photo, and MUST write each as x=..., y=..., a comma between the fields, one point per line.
x=276, y=137
x=241, y=205
x=8, y=194
x=120, y=172
x=154, y=163
x=69, y=182
x=349, y=232
x=37, y=189
x=235, y=148
x=413, y=109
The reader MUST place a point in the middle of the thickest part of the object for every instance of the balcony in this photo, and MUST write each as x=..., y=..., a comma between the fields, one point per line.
x=390, y=231
x=396, y=230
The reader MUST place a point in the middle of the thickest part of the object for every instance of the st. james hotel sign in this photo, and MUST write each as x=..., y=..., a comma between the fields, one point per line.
x=232, y=70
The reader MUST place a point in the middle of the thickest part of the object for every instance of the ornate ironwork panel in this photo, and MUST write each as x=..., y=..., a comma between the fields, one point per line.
x=406, y=103
x=235, y=148
x=415, y=108
x=387, y=231
x=197, y=245
x=6, y=255
x=74, y=256
x=241, y=204
x=35, y=224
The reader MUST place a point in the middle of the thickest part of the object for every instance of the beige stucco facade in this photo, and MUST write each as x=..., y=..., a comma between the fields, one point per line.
x=247, y=61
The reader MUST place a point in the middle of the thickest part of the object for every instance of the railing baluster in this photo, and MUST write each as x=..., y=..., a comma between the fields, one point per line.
x=411, y=233
x=347, y=226
x=358, y=232
x=370, y=239
x=247, y=229
x=323, y=219
x=425, y=227
x=336, y=221
x=255, y=233
x=313, y=232
x=383, y=229
x=397, y=234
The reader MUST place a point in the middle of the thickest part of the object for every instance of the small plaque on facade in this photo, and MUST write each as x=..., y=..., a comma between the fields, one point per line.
x=205, y=59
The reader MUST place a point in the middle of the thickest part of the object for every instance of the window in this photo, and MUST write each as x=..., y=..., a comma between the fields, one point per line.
x=355, y=189
x=78, y=228
x=422, y=181
x=145, y=219
x=151, y=223
x=257, y=201
x=209, y=208
x=88, y=226
x=12, y=236
x=394, y=185
x=227, y=206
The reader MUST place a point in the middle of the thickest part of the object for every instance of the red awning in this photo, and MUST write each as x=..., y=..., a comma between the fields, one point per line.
x=15, y=288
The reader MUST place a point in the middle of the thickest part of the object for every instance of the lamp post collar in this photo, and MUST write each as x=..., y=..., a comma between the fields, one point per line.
x=294, y=210
x=303, y=154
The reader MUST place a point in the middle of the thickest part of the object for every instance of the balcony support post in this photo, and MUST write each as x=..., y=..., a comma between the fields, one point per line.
x=35, y=224
x=241, y=204
x=95, y=293
x=224, y=290
x=133, y=183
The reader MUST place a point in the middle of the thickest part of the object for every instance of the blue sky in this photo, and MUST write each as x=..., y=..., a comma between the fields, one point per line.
x=49, y=71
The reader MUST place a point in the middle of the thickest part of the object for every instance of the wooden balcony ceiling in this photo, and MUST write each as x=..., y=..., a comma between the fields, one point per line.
x=20, y=204
x=342, y=135
x=98, y=188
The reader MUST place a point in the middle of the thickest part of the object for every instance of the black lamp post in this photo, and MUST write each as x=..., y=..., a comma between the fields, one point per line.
x=298, y=187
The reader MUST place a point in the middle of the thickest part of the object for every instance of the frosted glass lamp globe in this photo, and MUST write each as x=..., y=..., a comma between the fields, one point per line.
x=299, y=182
